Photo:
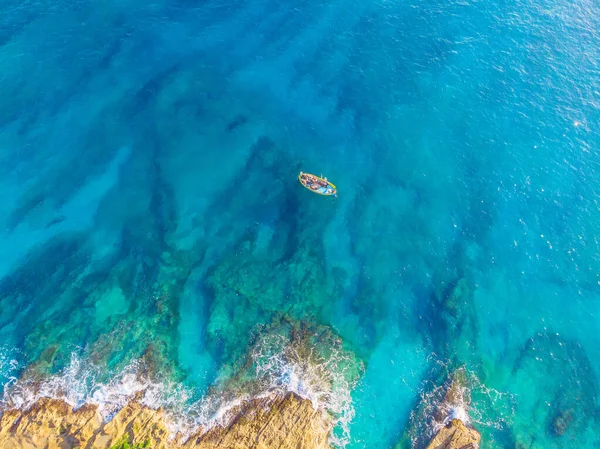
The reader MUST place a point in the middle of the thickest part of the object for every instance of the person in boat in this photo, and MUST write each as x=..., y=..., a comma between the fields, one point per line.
x=307, y=178
x=313, y=182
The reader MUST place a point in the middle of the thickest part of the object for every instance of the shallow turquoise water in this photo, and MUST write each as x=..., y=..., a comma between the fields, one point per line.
x=150, y=208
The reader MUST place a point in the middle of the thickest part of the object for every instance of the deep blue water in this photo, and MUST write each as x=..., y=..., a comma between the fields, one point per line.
x=150, y=210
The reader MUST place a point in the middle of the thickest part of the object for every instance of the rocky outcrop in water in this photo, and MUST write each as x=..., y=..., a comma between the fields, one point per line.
x=441, y=419
x=455, y=435
x=280, y=422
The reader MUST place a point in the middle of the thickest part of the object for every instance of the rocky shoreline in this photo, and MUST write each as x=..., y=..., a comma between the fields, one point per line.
x=278, y=421
x=286, y=421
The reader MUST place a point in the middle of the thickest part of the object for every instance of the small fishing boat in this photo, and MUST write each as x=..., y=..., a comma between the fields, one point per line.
x=317, y=185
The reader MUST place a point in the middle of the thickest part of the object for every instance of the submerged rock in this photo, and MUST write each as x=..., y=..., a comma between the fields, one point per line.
x=563, y=410
x=561, y=422
x=270, y=422
x=455, y=435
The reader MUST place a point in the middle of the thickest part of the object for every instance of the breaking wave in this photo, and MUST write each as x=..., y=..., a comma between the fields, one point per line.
x=326, y=381
x=462, y=396
x=277, y=368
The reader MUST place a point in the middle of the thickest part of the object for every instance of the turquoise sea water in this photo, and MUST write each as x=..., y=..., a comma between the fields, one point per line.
x=153, y=234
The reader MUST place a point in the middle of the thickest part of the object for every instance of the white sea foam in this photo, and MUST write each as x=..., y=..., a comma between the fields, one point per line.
x=9, y=366
x=79, y=384
x=471, y=401
x=283, y=370
x=324, y=382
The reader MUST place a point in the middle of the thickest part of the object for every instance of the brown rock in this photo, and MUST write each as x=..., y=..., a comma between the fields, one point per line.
x=277, y=422
x=455, y=436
